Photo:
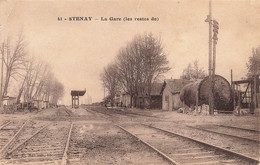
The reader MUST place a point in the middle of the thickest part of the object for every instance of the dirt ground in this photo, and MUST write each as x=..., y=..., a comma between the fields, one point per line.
x=245, y=121
x=96, y=140
x=178, y=122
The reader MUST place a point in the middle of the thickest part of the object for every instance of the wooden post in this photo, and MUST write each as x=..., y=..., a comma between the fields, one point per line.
x=252, y=97
x=233, y=91
x=213, y=71
x=71, y=101
x=234, y=96
x=255, y=98
x=1, y=90
x=78, y=101
x=197, y=100
x=209, y=20
x=239, y=102
x=231, y=77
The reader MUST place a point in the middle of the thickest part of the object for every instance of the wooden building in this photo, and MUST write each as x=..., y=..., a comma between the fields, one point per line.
x=125, y=100
x=39, y=104
x=170, y=92
x=155, y=102
x=7, y=100
x=247, y=97
x=9, y=103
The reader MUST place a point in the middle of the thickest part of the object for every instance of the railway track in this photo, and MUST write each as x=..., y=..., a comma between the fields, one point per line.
x=114, y=112
x=107, y=144
x=99, y=114
x=63, y=112
x=46, y=145
x=58, y=143
x=123, y=112
x=235, y=132
x=8, y=133
x=178, y=149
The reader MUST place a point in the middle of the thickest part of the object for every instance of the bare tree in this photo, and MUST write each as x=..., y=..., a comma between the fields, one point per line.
x=57, y=92
x=48, y=87
x=128, y=72
x=253, y=65
x=110, y=81
x=37, y=80
x=38, y=76
x=13, y=58
x=193, y=72
x=140, y=63
x=155, y=60
x=28, y=65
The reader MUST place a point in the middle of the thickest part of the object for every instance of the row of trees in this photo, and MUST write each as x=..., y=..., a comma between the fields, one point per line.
x=136, y=67
x=33, y=77
x=143, y=60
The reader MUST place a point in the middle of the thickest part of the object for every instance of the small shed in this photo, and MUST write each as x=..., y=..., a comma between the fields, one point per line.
x=156, y=98
x=39, y=104
x=170, y=92
x=143, y=100
x=117, y=100
x=46, y=104
x=9, y=103
x=125, y=99
x=7, y=100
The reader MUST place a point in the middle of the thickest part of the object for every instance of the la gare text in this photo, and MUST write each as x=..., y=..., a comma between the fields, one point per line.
x=104, y=19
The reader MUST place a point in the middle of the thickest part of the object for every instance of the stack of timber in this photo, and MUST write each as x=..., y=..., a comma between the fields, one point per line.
x=200, y=90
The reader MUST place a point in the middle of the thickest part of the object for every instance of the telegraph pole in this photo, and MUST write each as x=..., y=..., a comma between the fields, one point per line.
x=209, y=20
x=215, y=40
x=2, y=70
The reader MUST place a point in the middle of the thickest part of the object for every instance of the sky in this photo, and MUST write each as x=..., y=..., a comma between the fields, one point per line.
x=79, y=50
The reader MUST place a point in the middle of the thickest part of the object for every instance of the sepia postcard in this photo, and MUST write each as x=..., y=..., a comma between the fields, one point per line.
x=98, y=82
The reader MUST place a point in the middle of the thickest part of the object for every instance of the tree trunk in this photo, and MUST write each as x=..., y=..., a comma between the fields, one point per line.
x=20, y=91
x=6, y=83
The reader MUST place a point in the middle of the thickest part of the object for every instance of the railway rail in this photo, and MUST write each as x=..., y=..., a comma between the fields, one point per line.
x=238, y=128
x=5, y=124
x=178, y=149
x=248, y=135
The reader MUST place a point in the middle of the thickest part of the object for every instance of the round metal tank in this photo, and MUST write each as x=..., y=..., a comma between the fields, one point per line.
x=222, y=93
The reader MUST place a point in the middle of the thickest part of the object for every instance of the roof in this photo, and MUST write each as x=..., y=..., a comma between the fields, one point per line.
x=251, y=79
x=8, y=98
x=156, y=89
x=37, y=100
x=175, y=85
x=77, y=92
